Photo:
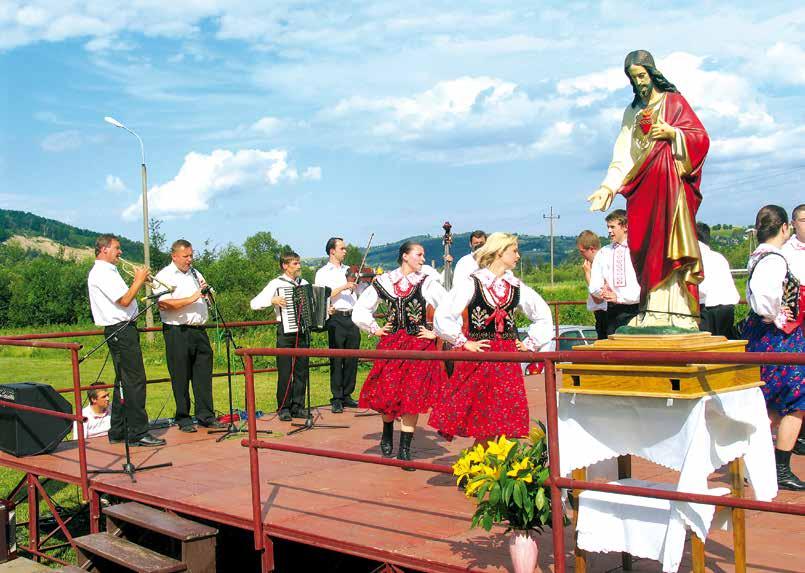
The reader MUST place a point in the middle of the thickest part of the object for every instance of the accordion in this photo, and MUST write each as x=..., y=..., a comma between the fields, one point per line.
x=305, y=308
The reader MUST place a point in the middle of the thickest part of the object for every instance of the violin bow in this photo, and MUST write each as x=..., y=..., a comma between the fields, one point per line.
x=365, y=253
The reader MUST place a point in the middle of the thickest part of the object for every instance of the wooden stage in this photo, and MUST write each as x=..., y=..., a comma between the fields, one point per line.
x=416, y=520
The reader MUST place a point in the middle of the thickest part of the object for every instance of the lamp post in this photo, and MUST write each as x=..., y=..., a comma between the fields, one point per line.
x=149, y=316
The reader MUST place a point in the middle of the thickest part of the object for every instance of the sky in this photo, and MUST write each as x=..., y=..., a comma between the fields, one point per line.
x=314, y=119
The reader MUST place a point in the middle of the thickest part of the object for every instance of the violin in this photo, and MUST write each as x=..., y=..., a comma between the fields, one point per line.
x=361, y=273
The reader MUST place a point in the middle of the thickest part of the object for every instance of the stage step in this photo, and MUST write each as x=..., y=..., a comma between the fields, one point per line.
x=23, y=565
x=196, y=541
x=123, y=553
x=68, y=569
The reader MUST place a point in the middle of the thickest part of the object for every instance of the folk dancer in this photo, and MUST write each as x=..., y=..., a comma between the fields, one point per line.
x=588, y=245
x=488, y=399
x=184, y=313
x=467, y=264
x=341, y=331
x=771, y=327
x=717, y=293
x=293, y=372
x=113, y=305
x=402, y=388
x=612, y=276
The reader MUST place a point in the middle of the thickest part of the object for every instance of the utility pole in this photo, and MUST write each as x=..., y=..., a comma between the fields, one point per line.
x=551, y=218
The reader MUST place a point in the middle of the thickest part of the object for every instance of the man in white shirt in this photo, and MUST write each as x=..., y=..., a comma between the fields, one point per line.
x=588, y=245
x=341, y=331
x=187, y=347
x=794, y=248
x=99, y=418
x=292, y=373
x=467, y=264
x=113, y=307
x=612, y=277
x=717, y=293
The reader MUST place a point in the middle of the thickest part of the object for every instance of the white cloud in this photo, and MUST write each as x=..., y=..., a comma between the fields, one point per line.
x=114, y=184
x=62, y=141
x=267, y=125
x=782, y=63
x=312, y=174
x=202, y=178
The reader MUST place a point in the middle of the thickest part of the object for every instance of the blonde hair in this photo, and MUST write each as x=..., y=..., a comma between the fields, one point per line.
x=495, y=244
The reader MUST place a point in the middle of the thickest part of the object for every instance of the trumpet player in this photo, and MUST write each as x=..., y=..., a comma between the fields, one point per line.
x=113, y=307
x=189, y=354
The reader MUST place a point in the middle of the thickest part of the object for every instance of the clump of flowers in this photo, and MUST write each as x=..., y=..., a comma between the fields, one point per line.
x=507, y=479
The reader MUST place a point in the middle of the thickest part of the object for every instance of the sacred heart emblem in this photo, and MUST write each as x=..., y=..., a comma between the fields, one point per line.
x=645, y=121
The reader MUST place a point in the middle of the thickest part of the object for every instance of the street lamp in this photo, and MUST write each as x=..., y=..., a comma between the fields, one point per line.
x=149, y=316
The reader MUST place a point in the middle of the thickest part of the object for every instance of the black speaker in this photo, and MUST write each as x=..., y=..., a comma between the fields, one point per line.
x=28, y=433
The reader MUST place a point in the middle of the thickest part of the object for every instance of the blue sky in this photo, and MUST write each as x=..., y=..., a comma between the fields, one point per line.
x=344, y=118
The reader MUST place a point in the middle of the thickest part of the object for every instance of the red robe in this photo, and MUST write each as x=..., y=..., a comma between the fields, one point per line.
x=662, y=198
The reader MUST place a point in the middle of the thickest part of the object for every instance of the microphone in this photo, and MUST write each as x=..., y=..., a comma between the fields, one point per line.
x=156, y=295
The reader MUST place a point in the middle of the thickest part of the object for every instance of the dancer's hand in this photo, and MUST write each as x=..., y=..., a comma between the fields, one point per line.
x=426, y=334
x=521, y=347
x=384, y=330
x=476, y=345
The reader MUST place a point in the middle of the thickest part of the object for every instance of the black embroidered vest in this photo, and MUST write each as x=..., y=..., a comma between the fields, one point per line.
x=404, y=313
x=481, y=315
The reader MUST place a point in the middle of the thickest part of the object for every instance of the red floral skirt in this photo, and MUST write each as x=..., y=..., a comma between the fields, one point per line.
x=483, y=399
x=397, y=387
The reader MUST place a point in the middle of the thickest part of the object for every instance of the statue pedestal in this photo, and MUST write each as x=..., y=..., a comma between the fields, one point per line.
x=684, y=381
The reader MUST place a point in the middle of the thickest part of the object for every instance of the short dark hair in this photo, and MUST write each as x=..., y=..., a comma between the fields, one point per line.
x=619, y=216
x=331, y=244
x=180, y=244
x=406, y=247
x=703, y=231
x=769, y=221
x=288, y=256
x=796, y=211
x=104, y=241
x=92, y=393
x=477, y=234
x=588, y=240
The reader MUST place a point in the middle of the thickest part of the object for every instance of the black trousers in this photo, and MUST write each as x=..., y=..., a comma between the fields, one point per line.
x=619, y=315
x=343, y=333
x=127, y=358
x=719, y=320
x=600, y=324
x=293, y=372
x=189, y=356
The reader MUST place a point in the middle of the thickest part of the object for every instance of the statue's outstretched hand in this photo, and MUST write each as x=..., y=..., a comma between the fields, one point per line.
x=601, y=199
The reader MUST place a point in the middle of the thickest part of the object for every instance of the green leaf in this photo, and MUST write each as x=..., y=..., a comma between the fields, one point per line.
x=507, y=491
x=518, y=494
x=539, y=501
x=494, y=494
x=487, y=522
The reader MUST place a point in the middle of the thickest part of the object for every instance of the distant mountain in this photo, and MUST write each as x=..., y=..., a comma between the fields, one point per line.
x=29, y=225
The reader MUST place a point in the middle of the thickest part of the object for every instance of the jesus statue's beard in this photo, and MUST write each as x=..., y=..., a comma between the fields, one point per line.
x=644, y=92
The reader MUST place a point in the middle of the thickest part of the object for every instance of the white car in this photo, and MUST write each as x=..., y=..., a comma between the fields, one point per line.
x=569, y=336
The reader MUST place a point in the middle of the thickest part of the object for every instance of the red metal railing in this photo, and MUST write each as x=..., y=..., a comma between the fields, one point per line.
x=555, y=481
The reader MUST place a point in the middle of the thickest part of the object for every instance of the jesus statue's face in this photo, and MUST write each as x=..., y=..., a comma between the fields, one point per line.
x=642, y=82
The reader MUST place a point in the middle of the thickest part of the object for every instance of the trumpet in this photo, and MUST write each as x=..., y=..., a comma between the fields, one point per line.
x=128, y=268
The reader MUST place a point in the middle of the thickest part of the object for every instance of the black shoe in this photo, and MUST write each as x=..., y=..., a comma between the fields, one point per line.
x=188, y=428
x=148, y=441
x=285, y=416
x=300, y=413
x=786, y=479
x=114, y=440
x=387, y=441
x=349, y=402
x=799, y=447
x=337, y=407
x=404, y=454
x=212, y=424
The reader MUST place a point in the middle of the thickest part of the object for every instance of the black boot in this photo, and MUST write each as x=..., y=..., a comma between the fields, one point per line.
x=799, y=446
x=387, y=441
x=786, y=479
x=405, y=448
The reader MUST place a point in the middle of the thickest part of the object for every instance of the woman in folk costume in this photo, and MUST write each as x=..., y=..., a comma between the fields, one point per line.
x=487, y=399
x=773, y=326
x=401, y=388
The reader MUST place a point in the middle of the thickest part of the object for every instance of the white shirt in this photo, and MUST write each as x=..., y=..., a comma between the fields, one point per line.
x=613, y=264
x=363, y=314
x=447, y=320
x=196, y=312
x=263, y=300
x=96, y=424
x=465, y=266
x=105, y=287
x=335, y=276
x=764, y=291
x=717, y=288
x=794, y=251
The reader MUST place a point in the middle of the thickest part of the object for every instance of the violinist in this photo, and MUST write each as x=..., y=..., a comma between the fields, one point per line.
x=341, y=331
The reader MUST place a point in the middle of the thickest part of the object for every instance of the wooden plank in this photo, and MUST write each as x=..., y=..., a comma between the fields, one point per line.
x=126, y=554
x=162, y=522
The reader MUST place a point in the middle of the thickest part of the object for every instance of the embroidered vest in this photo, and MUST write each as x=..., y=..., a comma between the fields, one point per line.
x=790, y=286
x=489, y=319
x=404, y=312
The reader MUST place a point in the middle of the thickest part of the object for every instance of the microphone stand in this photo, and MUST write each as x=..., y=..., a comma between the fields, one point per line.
x=231, y=429
x=128, y=468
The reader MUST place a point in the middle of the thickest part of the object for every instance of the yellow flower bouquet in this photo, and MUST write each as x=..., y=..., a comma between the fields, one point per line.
x=507, y=479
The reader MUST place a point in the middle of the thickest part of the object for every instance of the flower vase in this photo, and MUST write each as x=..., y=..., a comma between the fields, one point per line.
x=523, y=551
